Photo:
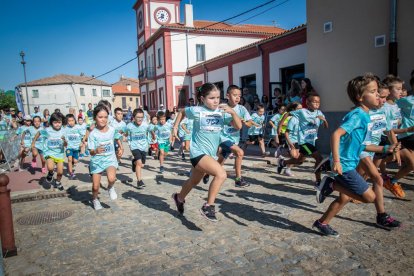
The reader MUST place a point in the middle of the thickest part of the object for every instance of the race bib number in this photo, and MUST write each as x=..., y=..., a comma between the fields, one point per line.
x=395, y=124
x=164, y=134
x=378, y=127
x=27, y=137
x=108, y=147
x=211, y=121
x=73, y=137
x=138, y=136
x=230, y=130
x=310, y=135
x=54, y=143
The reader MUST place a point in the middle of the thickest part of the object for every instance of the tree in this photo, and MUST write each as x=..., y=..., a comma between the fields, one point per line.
x=7, y=101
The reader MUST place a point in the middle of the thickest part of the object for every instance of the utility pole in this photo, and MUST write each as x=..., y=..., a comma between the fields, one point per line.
x=25, y=82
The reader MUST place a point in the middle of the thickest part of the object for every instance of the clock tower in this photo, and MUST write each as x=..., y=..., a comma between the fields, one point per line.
x=152, y=14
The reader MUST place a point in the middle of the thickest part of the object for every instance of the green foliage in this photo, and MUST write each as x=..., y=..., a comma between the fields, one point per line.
x=7, y=101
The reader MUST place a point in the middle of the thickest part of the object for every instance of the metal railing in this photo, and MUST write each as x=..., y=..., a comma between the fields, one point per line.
x=147, y=73
x=9, y=149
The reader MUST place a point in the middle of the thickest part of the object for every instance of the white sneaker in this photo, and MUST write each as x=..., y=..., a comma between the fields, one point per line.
x=288, y=172
x=96, y=204
x=112, y=193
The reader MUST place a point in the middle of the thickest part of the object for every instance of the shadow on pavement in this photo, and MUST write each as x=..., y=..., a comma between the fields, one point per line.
x=158, y=203
x=82, y=196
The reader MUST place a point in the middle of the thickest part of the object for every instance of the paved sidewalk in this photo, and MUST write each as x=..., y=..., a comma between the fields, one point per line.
x=264, y=229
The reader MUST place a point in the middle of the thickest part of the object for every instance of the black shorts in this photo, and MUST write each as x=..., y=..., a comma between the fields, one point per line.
x=407, y=142
x=139, y=155
x=384, y=141
x=194, y=161
x=307, y=149
x=282, y=139
x=255, y=138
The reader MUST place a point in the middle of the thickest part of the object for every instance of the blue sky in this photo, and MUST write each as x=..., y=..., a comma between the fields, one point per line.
x=94, y=36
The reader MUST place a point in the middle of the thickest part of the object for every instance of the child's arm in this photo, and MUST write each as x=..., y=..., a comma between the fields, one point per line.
x=288, y=140
x=237, y=124
x=35, y=139
x=325, y=122
x=393, y=140
x=393, y=148
x=335, y=138
x=403, y=130
x=250, y=123
x=177, y=122
x=22, y=140
x=120, y=149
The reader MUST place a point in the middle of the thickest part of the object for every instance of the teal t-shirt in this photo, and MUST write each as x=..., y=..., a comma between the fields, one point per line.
x=376, y=128
x=393, y=113
x=28, y=138
x=355, y=123
x=229, y=133
x=137, y=136
x=83, y=127
x=293, y=128
x=163, y=133
x=53, y=145
x=119, y=126
x=258, y=120
x=40, y=140
x=73, y=136
x=188, y=123
x=275, y=120
x=207, y=127
x=407, y=112
x=308, y=125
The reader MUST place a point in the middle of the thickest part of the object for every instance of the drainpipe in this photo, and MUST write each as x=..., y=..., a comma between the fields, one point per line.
x=393, y=45
x=188, y=65
x=205, y=73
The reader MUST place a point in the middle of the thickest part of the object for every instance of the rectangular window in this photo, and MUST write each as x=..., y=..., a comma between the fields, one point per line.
x=82, y=91
x=83, y=107
x=106, y=93
x=124, y=103
x=142, y=65
x=136, y=102
x=94, y=92
x=35, y=93
x=130, y=99
x=201, y=52
x=159, y=57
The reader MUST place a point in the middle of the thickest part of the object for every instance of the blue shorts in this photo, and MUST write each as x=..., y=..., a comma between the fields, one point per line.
x=39, y=151
x=226, y=148
x=352, y=181
x=72, y=152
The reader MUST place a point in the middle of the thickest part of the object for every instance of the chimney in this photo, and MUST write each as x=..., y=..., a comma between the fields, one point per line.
x=129, y=87
x=188, y=15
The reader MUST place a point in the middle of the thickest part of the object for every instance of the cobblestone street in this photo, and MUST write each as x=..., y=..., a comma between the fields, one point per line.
x=264, y=229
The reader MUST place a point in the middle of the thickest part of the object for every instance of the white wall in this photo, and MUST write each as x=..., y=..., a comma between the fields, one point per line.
x=63, y=96
x=161, y=83
x=221, y=74
x=285, y=58
x=214, y=46
x=178, y=81
x=249, y=67
x=159, y=44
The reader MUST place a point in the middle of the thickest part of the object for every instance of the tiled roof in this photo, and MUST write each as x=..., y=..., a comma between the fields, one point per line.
x=286, y=32
x=120, y=87
x=66, y=79
x=204, y=25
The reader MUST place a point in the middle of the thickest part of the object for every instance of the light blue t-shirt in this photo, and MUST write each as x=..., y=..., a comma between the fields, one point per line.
x=171, y=122
x=230, y=133
x=100, y=162
x=376, y=128
x=73, y=136
x=53, y=145
x=137, y=136
x=207, y=127
x=83, y=127
x=119, y=126
x=355, y=123
x=294, y=99
x=407, y=112
x=258, y=120
x=293, y=127
x=28, y=138
x=163, y=133
x=189, y=126
x=308, y=125
x=38, y=114
x=393, y=113
x=40, y=140
x=275, y=120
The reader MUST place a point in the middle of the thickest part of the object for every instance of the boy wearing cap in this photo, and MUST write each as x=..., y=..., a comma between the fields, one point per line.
x=37, y=113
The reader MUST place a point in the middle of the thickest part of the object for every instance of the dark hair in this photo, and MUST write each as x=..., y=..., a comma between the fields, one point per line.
x=412, y=81
x=68, y=116
x=206, y=88
x=260, y=106
x=136, y=111
x=118, y=109
x=391, y=80
x=232, y=87
x=160, y=114
x=311, y=95
x=280, y=106
x=309, y=87
x=57, y=116
x=381, y=86
x=107, y=104
x=38, y=117
x=292, y=106
x=98, y=109
x=356, y=86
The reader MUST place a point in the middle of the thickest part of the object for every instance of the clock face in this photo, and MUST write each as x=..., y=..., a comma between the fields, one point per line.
x=140, y=19
x=162, y=16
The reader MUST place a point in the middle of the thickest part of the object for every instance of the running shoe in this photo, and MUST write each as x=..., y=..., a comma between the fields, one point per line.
x=206, y=178
x=72, y=176
x=209, y=212
x=140, y=184
x=81, y=155
x=325, y=229
x=278, y=152
x=387, y=222
x=324, y=189
x=97, y=204
x=231, y=156
x=394, y=188
x=162, y=169
x=178, y=203
x=133, y=165
x=183, y=156
x=49, y=177
x=34, y=164
x=265, y=154
x=58, y=186
x=112, y=193
x=241, y=183
x=280, y=165
x=322, y=166
x=288, y=172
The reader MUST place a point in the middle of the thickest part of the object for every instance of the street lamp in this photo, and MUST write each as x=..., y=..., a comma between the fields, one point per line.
x=25, y=81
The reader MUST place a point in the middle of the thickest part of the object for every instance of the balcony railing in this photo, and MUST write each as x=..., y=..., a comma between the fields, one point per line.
x=146, y=74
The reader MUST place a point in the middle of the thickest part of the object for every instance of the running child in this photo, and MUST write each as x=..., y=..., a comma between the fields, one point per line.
x=256, y=130
x=153, y=150
x=347, y=143
x=37, y=150
x=184, y=134
x=137, y=133
x=83, y=128
x=205, y=140
x=277, y=140
x=119, y=125
x=26, y=141
x=171, y=122
x=54, y=148
x=74, y=138
x=163, y=132
x=103, y=156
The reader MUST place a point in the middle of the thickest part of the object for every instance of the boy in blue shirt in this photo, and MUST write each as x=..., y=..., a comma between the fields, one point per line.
x=74, y=138
x=347, y=144
x=256, y=130
x=163, y=132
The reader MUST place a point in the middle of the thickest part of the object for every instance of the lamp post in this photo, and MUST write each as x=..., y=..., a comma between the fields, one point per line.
x=25, y=81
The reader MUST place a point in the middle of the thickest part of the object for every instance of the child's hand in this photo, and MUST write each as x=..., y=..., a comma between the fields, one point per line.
x=100, y=150
x=393, y=148
x=120, y=152
x=188, y=132
x=397, y=157
x=337, y=168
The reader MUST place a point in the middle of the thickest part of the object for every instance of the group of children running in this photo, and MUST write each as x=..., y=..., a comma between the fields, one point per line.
x=379, y=130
